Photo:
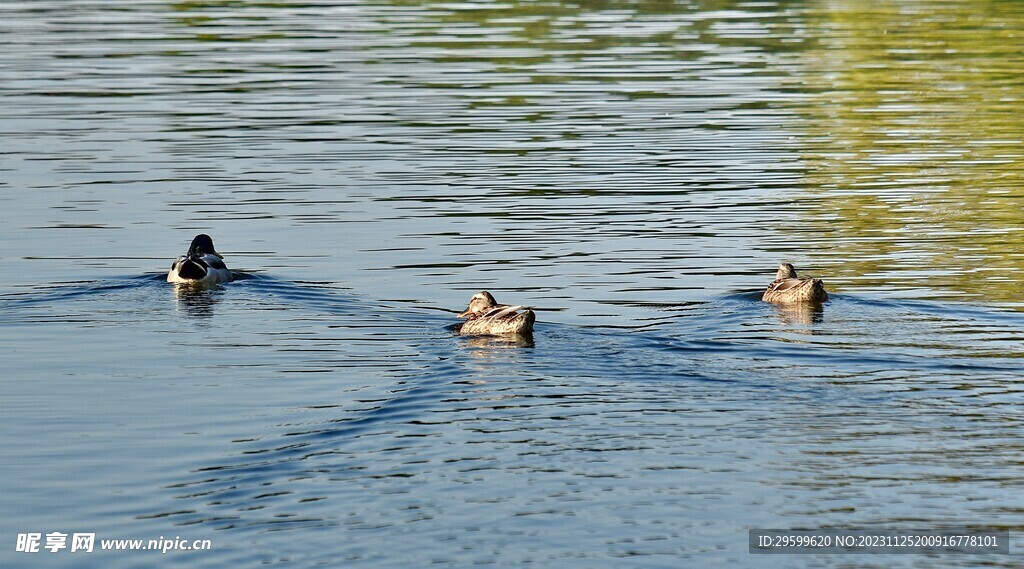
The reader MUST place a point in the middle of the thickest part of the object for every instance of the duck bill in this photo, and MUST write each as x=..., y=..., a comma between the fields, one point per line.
x=464, y=313
x=219, y=256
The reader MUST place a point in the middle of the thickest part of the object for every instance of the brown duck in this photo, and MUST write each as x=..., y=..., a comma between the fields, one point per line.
x=787, y=288
x=485, y=316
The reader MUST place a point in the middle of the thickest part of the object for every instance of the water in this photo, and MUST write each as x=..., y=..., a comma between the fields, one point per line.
x=635, y=170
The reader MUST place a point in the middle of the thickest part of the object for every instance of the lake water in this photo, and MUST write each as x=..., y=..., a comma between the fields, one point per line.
x=634, y=170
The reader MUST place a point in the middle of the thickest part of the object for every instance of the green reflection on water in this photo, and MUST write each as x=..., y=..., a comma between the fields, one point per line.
x=568, y=31
x=207, y=20
x=914, y=139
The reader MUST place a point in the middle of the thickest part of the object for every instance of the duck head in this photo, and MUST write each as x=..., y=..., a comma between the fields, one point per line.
x=481, y=301
x=202, y=245
x=786, y=271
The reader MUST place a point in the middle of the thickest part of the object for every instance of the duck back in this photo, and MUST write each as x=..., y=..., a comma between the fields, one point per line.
x=500, y=324
x=795, y=290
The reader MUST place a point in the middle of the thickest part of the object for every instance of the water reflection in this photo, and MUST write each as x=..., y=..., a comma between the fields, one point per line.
x=914, y=149
x=196, y=300
x=802, y=313
x=485, y=344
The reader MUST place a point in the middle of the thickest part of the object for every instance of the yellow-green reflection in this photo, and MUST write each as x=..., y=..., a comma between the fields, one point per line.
x=530, y=33
x=915, y=143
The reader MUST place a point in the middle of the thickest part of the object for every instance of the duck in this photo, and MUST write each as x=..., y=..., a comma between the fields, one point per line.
x=484, y=316
x=202, y=264
x=788, y=287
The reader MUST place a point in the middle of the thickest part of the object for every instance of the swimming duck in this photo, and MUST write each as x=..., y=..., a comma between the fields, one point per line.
x=485, y=316
x=787, y=287
x=202, y=264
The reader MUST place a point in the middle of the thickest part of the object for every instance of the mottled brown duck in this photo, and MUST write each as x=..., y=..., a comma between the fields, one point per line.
x=485, y=316
x=788, y=288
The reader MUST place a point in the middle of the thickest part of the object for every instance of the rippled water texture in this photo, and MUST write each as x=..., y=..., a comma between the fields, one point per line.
x=634, y=170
